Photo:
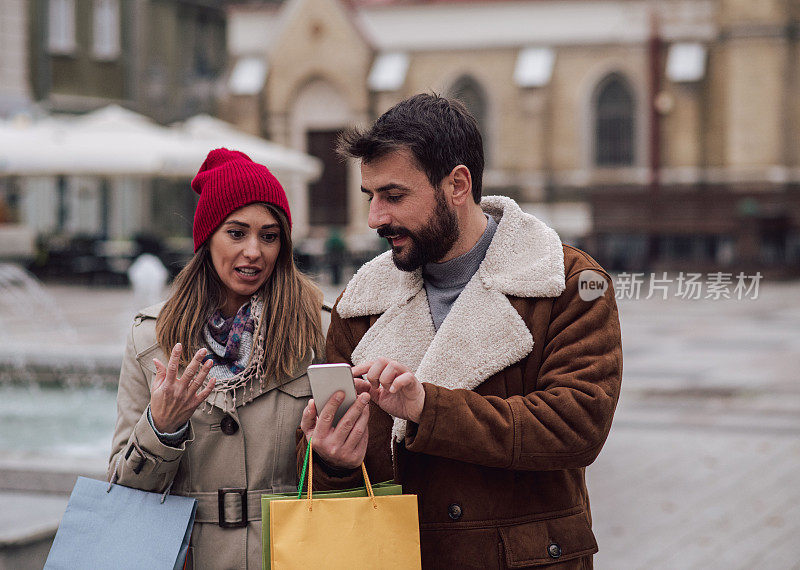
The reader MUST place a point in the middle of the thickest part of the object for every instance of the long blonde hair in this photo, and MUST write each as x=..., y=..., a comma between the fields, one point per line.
x=291, y=312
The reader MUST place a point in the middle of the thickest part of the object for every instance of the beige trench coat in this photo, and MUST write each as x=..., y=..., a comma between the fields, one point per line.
x=252, y=449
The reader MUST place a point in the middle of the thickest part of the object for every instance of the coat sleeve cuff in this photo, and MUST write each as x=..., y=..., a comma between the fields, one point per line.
x=170, y=439
x=147, y=439
x=327, y=477
x=418, y=435
x=331, y=471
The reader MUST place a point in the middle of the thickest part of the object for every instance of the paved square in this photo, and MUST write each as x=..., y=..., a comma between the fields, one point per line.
x=701, y=467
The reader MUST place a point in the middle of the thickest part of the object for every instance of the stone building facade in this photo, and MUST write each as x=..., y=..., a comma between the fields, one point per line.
x=656, y=134
x=162, y=58
x=15, y=92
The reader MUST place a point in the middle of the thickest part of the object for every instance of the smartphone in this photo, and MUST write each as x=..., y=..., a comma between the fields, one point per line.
x=327, y=379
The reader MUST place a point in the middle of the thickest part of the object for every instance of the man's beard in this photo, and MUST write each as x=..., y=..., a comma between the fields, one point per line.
x=429, y=243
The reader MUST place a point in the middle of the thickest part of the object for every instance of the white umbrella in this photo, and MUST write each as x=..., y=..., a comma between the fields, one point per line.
x=113, y=141
x=107, y=142
x=203, y=133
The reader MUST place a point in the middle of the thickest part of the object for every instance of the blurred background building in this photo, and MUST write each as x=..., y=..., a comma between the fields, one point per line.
x=657, y=135
x=89, y=175
x=162, y=59
x=159, y=58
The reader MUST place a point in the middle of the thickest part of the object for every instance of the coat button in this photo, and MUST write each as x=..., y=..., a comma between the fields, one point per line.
x=228, y=425
x=554, y=550
x=454, y=511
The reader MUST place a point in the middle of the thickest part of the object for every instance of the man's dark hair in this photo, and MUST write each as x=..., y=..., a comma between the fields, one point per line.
x=439, y=132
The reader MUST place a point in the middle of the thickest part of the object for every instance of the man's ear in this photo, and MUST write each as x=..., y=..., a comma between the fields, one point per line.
x=462, y=184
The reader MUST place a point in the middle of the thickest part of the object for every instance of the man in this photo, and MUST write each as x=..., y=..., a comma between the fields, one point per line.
x=491, y=369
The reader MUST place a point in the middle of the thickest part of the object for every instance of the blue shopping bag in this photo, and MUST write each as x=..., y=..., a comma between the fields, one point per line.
x=112, y=526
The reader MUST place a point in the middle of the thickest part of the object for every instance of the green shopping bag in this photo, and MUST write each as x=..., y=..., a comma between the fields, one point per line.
x=379, y=489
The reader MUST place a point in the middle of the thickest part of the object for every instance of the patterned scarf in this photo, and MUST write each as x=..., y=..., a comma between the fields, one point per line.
x=230, y=342
x=236, y=346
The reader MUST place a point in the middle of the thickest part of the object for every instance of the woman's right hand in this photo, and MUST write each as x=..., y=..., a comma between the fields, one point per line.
x=345, y=444
x=173, y=400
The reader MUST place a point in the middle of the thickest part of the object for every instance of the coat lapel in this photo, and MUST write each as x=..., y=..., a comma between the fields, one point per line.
x=402, y=333
x=482, y=335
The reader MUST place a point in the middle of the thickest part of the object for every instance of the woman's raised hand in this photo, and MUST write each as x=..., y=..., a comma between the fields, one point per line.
x=173, y=400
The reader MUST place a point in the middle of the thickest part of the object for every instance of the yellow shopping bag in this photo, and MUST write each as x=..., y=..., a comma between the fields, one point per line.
x=348, y=533
x=385, y=488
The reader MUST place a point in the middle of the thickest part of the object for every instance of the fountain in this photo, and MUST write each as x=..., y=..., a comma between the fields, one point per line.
x=38, y=342
x=49, y=382
x=60, y=352
x=23, y=297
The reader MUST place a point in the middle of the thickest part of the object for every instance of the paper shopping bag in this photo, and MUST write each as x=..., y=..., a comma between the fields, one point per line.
x=385, y=488
x=112, y=526
x=375, y=531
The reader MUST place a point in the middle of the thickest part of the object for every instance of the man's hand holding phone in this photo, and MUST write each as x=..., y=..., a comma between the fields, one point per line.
x=341, y=444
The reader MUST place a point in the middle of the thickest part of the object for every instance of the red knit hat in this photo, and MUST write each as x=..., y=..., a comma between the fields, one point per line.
x=227, y=181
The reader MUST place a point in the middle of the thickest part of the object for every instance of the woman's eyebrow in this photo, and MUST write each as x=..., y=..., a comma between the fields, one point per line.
x=246, y=225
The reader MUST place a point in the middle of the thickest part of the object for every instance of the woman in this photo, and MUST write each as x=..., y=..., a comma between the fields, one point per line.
x=244, y=317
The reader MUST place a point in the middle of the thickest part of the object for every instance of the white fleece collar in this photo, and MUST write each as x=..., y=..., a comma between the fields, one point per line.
x=525, y=259
x=483, y=333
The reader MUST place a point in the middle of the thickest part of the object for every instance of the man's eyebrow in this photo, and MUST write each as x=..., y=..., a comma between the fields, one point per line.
x=386, y=188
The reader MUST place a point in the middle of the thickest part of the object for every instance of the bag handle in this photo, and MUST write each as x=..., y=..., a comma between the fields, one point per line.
x=115, y=474
x=303, y=471
x=308, y=464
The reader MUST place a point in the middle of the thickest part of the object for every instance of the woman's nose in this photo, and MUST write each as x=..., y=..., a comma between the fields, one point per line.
x=251, y=249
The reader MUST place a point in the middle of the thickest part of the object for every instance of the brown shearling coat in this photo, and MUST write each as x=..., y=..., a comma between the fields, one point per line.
x=521, y=382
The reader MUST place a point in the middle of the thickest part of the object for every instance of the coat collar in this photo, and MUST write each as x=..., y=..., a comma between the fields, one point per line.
x=152, y=311
x=244, y=394
x=525, y=259
x=483, y=333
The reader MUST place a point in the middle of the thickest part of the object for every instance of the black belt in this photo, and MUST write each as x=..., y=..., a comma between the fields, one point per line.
x=229, y=507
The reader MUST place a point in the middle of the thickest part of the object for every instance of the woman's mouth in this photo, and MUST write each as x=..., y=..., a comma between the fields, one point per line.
x=247, y=273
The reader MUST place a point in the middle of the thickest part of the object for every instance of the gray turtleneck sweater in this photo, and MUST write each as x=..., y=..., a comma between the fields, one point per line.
x=445, y=281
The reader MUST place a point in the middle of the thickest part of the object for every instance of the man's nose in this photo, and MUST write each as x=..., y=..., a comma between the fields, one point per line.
x=378, y=216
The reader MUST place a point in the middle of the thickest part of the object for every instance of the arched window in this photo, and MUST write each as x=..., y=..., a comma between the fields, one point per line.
x=470, y=92
x=614, y=128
